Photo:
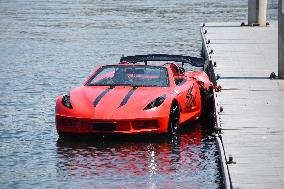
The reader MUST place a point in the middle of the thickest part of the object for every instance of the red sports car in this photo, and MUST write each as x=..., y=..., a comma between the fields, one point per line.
x=136, y=97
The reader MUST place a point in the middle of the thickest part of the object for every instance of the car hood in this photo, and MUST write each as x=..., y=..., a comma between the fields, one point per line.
x=119, y=102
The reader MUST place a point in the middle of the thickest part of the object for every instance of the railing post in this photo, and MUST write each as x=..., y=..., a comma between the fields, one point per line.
x=281, y=39
x=257, y=12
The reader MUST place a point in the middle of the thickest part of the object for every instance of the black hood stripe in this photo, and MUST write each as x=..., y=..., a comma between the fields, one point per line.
x=126, y=98
x=98, y=99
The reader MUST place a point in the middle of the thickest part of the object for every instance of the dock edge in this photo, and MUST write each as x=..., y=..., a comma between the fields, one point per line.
x=209, y=69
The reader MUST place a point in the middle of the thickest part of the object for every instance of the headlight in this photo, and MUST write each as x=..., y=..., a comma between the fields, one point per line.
x=155, y=103
x=66, y=101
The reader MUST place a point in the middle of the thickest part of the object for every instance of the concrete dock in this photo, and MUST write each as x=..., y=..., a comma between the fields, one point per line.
x=252, y=120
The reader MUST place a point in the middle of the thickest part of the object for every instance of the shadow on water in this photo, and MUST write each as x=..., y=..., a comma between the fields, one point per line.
x=151, y=161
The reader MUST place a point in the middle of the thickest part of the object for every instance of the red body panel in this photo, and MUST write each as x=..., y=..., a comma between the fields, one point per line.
x=108, y=116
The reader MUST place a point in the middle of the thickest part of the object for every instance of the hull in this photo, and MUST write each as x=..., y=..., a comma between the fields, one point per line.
x=108, y=116
x=123, y=109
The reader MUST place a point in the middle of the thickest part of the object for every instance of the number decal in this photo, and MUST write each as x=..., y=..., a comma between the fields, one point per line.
x=191, y=99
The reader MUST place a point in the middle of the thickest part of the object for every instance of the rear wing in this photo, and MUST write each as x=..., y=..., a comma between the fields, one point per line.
x=194, y=61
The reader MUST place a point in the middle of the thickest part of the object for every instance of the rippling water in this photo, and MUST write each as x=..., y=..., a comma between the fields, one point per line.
x=49, y=47
x=146, y=162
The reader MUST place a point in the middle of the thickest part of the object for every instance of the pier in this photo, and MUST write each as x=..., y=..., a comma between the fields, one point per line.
x=249, y=107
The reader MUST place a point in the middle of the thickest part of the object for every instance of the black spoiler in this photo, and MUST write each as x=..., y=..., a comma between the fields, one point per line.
x=194, y=61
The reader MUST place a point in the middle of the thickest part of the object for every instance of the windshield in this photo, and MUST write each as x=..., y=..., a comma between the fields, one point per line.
x=145, y=76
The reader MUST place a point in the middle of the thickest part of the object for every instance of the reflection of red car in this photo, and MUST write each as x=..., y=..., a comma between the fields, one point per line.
x=135, y=98
x=137, y=156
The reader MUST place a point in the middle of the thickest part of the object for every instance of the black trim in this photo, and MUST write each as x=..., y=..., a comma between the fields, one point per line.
x=194, y=61
x=126, y=98
x=97, y=100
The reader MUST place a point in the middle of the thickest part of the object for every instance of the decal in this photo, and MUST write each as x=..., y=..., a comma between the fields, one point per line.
x=126, y=98
x=188, y=96
x=191, y=99
x=95, y=103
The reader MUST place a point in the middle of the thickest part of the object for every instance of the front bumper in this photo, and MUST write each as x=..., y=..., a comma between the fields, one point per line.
x=74, y=125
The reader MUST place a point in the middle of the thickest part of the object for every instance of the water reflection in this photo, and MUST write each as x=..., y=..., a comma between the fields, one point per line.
x=156, y=161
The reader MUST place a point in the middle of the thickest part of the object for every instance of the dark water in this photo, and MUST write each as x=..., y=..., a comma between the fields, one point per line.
x=144, y=162
x=49, y=47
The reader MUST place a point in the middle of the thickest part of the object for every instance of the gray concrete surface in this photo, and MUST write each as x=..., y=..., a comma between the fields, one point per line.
x=252, y=119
